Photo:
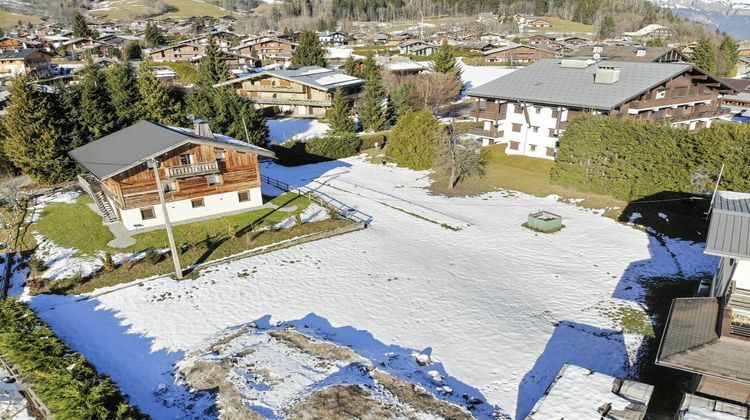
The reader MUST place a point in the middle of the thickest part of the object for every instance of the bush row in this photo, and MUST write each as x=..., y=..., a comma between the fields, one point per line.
x=65, y=381
x=630, y=160
x=319, y=149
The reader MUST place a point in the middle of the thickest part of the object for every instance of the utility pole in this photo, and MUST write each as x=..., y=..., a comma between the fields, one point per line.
x=167, y=224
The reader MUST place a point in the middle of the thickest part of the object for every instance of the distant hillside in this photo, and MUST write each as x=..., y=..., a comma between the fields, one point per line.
x=132, y=9
x=730, y=16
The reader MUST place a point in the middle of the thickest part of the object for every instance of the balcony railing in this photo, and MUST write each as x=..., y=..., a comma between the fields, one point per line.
x=675, y=100
x=194, y=169
x=479, y=131
x=739, y=303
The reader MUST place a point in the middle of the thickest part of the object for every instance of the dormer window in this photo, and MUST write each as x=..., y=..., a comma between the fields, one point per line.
x=186, y=159
x=219, y=154
x=661, y=94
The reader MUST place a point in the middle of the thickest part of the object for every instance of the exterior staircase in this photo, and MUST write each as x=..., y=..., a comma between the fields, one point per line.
x=91, y=185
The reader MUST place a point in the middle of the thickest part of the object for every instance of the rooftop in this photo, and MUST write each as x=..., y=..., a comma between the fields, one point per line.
x=729, y=229
x=547, y=82
x=628, y=53
x=131, y=146
x=316, y=77
x=18, y=54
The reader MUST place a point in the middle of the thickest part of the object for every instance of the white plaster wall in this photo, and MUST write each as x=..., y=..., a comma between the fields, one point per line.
x=183, y=210
x=527, y=137
x=742, y=274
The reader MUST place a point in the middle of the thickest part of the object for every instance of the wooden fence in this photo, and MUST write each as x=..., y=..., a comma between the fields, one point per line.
x=37, y=406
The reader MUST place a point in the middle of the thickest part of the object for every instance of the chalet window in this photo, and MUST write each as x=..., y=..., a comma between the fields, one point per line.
x=219, y=154
x=518, y=109
x=538, y=109
x=514, y=145
x=148, y=213
x=197, y=202
x=535, y=129
x=661, y=94
x=516, y=128
x=243, y=196
x=482, y=104
x=552, y=132
x=186, y=159
x=532, y=147
x=551, y=151
x=169, y=186
x=213, y=179
x=554, y=113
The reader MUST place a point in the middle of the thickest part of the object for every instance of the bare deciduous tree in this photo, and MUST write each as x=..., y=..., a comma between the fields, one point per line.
x=435, y=90
x=458, y=158
x=15, y=204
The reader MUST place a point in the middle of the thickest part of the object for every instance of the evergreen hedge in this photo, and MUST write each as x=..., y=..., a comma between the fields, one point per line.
x=319, y=149
x=65, y=381
x=414, y=140
x=630, y=160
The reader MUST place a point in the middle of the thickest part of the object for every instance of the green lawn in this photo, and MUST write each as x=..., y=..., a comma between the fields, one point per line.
x=129, y=9
x=9, y=19
x=566, y=26
x=77, y=226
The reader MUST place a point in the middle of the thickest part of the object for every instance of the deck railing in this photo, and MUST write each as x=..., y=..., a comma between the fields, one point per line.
x=324, y=200
x=192, y=169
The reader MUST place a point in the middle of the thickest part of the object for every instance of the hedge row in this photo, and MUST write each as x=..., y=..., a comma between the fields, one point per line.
x=319, y=149
x=630, y=160
x=65, y=381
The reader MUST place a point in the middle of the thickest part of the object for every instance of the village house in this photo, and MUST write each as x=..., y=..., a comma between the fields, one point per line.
x=743, y=65
x=492, y=37
x=30, y=61
x=573, y=41
x=301, y=92
x=648, y=32
x=530, y=108
x=179, y=52
x=743, y=47
x=332, y=38
x=10, y=43
x=709, y=335
x=414, y=46
x=516, y=54
x=488, y=17
x=633, y=53
x=527, y=21
x=202, y=174
x=267, y=48
x=224, y=39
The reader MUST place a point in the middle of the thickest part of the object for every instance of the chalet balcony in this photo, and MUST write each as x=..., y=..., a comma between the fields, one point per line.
x=283, y=101
x=739, y=304
x=678, y=100
x=271, y=88
x=662, y=116
x=488, y=114
x=193, y=169
x=479, y=131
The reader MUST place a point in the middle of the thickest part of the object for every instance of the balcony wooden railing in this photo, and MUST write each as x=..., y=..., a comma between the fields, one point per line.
x=489, y=114
x=271, y=88
x=675, y=100
x=283, y=101
x=194, y=169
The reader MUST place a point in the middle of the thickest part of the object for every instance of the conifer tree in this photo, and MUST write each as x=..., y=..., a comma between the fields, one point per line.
x=156, y=102
x=445, y=61
x=607, y=30
x=212, y=68
x=35, y=139
x=372, y=116
x=97, y=114
x=122, y=84
x=152, y=35
x=338, y=115
x=309, y=52
x=704, y=55
x=70, y=103
x=400, y=102
x=728, y=57
x=81, y=28
x=350, y=67
x=370, y=68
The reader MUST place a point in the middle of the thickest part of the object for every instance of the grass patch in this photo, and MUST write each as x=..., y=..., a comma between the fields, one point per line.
x=198, y=242
x=567, y=26
x=10, y=19
x=129, y=9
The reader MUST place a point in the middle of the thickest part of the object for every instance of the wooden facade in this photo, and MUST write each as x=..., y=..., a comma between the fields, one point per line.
x=35, y=64
x=518, y=54
x=229, y=170
x=181, y=52
x=267, y=48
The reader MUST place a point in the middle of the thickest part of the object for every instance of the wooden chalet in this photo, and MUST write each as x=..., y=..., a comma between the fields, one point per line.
x=267, y=48
x=202, y=174
x=30, y=61
x=179, y=52
x=299, y=92
x=517, y=54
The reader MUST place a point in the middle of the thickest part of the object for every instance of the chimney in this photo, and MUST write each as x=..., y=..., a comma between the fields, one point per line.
x=607, y=75
x=202, y=129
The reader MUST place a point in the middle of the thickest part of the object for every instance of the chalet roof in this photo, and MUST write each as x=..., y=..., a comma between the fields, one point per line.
x=739, y=85
x=729, y=229
x=316, y=77
x=645, y=30
x=546, y=82
x=514, y=46
x=131, y=146
x=20, y=54
x=690, y=342
x=629, y=53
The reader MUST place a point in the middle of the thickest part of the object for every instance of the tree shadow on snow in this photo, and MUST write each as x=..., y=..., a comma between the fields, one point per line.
x=143, y=373
x=391, y=358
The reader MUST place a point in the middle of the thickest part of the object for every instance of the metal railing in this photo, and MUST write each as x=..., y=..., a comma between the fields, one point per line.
x=343, y=210
x=192, y=169
x=27, y=391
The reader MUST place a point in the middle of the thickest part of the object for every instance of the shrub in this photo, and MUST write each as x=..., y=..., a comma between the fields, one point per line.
x=37, y=265
x=414, y=140
x=369, y=140
x=108, y=263
x=152, y=256
x=316, y=150
x=65, y=381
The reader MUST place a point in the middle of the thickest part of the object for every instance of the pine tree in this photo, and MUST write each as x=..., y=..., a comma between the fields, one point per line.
x=704, y=55
x=234, y=114
x=372, y=116
x=81, y=28
x=156, y=102
x=212, y=68
x=153, y=36
x=70, y=103
x=338, y=115
x=122, y=84
x=445, y=61
x=350, y=67
x=97, y=114
x=400, y=102
x=728, y=57
x=370, y=67
x=35, y=140
x=607, y=30
x=309, y=52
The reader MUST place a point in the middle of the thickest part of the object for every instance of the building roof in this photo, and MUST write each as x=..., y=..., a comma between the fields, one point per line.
x=316, y=77
x=547, y=82
x=134, y=145
x=20, y=54
x=629, y=53
x=514, y=46
x=691, y=343
x=627, y=399
x=645, y=30
x=729, y=229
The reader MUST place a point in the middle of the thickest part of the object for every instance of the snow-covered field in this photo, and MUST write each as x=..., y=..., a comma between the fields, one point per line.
x=283, y=129
x=498, y=308
x=475, y=76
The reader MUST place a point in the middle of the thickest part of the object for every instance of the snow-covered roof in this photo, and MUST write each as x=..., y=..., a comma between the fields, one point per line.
x=645, y=30
x=314, y=76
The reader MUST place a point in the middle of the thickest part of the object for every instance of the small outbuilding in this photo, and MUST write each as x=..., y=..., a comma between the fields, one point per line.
x=544, y=221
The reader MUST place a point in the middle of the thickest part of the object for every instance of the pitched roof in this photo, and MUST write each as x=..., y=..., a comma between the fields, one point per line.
x=547, y=82
x=131, y=146
x=645, y=30
x=690, y=342
x=629, y=53
x=513, y=46
x=316, y=77
x=729, y=229
x=20, y=54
